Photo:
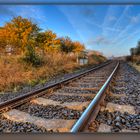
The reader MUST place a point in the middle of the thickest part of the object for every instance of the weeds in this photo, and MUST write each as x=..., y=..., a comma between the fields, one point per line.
x=15, y=74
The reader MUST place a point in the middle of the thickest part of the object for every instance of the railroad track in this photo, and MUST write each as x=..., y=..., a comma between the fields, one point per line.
x=67, y=106
x=121, y=110
x=55, y=108
x=102, y=99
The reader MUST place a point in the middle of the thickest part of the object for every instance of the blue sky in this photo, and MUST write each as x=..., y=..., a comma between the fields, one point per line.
x=110, y=29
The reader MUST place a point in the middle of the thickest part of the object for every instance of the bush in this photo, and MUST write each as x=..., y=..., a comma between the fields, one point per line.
x=128, y=58
x=31, y=57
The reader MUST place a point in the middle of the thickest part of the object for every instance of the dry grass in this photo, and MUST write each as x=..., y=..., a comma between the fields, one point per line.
x=15, y=74
x=135, y=62
x=136, y=59
x=137, y=67
x=96, y=59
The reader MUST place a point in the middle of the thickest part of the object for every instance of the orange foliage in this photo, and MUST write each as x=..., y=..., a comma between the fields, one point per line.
x=78, y=47
x=21, y=32
x=18, y=32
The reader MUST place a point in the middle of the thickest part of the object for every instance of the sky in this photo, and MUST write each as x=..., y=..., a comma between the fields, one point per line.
x=110, y=29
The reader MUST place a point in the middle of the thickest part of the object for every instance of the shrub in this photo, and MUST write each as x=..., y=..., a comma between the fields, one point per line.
x=128, y=58
x=31, y=57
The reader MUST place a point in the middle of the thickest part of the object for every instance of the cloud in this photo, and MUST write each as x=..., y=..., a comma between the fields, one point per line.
x=5, y=10
x=135, y=19
x=34, y=13
x=99, y=40
x=112, y=18
x=112, y=29
x=122, y=16
x=103, y=27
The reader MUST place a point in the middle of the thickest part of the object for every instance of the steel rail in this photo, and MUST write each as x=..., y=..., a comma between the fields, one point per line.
x=78, y=126
x=23, y=98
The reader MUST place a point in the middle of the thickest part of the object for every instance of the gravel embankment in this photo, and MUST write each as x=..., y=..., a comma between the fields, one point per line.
x=120, y=121
x=7, y=126
x=50, y=111
x=127, y=84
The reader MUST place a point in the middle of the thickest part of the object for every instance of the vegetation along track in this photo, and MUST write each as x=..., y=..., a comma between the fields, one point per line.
x=56, y=109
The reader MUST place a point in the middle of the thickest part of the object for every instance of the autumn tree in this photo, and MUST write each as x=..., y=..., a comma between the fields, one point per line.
x=66, y=45
x=24, y=37
x=78, y=48
x=2, y=40
x=48, y=41
x=20, y=32
x=51, y=43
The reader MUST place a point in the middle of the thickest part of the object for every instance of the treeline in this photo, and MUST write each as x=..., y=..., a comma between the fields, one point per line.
x=22, y=37
x=136, y=50
x=135, y=54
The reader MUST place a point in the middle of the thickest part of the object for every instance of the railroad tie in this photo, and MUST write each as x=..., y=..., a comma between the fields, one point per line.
x=70, y=105
x=50, y=124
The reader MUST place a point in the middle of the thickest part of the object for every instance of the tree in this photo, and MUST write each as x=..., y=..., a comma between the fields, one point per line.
x=66, y=45
x=19, y=33
x=138, y=48
x=51, y=43
x=40, y=41
x=48, y=41
x=132, y=51
x=2, y=40
x=78, y=48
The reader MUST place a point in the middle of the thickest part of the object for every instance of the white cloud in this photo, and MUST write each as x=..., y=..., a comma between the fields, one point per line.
x=34, y=13
x=99, y=40
x=135, y=19
x=103, y=27
x=112, y=18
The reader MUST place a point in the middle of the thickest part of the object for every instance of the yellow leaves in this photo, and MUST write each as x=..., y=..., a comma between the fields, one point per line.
x=18, y=32
x=67, y=45
x=51, y=48
x=21, y=32
x=78, y=47
x=50, y=35
x=48, y=41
